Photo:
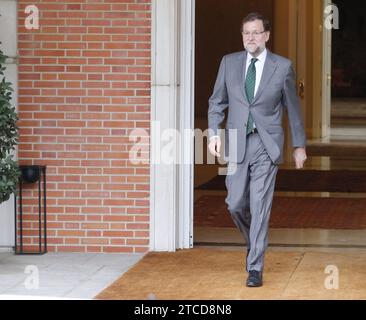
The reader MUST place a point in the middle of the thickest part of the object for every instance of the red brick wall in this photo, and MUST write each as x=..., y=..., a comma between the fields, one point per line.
x=84, y=84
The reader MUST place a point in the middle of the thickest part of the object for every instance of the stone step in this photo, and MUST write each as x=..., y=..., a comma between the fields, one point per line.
x=291, y=180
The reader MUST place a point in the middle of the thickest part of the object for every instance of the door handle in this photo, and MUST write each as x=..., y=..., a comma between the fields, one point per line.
x=301, y=89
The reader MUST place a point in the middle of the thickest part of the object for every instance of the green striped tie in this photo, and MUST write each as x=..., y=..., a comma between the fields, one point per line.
x=249, y=89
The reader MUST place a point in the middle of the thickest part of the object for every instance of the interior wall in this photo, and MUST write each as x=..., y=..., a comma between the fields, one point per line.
x=218, y=33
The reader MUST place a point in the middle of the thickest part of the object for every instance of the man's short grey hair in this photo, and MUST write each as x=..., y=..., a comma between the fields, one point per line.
x=256, y=16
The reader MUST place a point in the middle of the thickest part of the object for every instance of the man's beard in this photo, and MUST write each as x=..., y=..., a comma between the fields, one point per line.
x=254, y=50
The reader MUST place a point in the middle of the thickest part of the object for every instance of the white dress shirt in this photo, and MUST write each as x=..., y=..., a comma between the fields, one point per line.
x=259, y=66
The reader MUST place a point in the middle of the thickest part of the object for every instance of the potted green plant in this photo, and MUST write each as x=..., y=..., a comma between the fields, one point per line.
x=9, y=168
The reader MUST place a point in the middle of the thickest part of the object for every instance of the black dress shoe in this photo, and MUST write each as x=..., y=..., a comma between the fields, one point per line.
x=254, y=279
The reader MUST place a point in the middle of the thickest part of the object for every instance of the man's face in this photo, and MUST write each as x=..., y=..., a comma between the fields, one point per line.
x=254, y=37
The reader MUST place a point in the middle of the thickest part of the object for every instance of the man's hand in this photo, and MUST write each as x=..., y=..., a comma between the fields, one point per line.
x=299, y=157
x=215, y=146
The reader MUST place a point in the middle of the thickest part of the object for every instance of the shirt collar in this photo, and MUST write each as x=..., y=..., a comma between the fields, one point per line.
x=262, y=57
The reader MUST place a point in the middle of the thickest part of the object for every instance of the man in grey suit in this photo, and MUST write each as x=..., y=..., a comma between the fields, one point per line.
x=256, y=85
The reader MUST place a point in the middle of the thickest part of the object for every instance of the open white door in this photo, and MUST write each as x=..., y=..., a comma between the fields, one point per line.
x=8, y=38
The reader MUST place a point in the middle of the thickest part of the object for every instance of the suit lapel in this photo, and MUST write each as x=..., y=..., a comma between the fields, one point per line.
x=270, y=66
x=243, y=68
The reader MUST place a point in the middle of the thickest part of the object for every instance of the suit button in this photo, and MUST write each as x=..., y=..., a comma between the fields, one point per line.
x=245, y=125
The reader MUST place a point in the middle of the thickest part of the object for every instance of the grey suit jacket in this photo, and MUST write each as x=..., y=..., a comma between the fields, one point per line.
x=277, y=90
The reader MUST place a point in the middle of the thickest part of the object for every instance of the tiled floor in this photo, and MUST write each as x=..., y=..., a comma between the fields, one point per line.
x=60, y=275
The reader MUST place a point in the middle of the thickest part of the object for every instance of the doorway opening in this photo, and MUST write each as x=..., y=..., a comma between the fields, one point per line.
x=348, y=119
x=312, y=207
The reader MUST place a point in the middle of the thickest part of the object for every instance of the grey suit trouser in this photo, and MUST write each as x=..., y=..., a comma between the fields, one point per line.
x=249, y=199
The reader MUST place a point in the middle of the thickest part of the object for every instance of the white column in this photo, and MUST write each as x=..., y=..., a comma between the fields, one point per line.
x=171, y=185
x=164, y=107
